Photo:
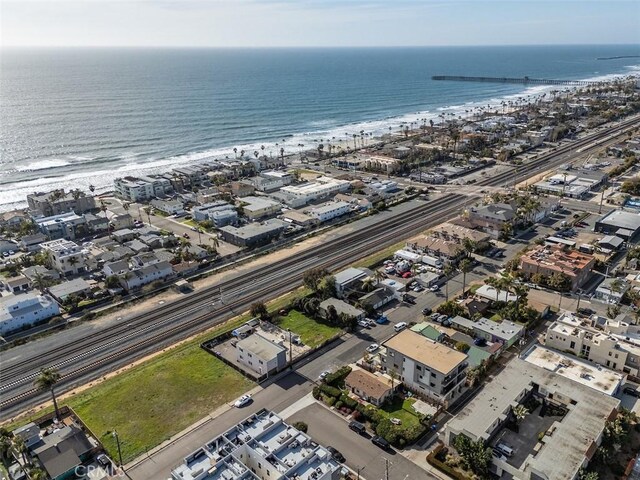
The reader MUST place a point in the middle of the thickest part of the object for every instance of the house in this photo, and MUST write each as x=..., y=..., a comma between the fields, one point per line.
x=169, y=207
x=611, y=290
x=611, y=243
x=31, y=243
x=13, y=219
x=137, y=246
x=143, y=276
x=427, y=367
x=350, y=280
x=58, y=201
x=377, y=298
x=95, y=223
x=123, y=235
x=29, y=433
x=620, y=223
x=78, y=287
x=32, y=273
x=492, y=218
x=18, y=311
x=120, y=221
x=242, y=189
x=299, y=218
x=341, y=307
x=255, y=208
x=570, y=440
x=546, y=261
x=119, y=267
x=220, y=213
x=261, y=355
x=492, y=294
x=476, y=306
x=440, y=247
x=372, y=388
x=505, y=332
x=428, y=331
x=144, y=259
x=62, y=451
x=253, y=234
x=67, y=257
x=16, y=284
x=7, y=246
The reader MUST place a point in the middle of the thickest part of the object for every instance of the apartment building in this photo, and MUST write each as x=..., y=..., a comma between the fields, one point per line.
x=139, y=277
x=26, y=309
x=59, y=201
x=260, y=447
x=261, y=355
x=322, y=187
x=254, y=234
x=601, y=346
x=329, y=211
x=137, y=189
x=65, y=225
x=65, y=256
x=547, y=260
x=427, y=367
x=255, y=208
x=492, y=218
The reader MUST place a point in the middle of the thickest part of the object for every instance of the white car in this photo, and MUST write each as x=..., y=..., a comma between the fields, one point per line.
x=373, y=347
x=363, y=323
x=395, y=421
x=434, y=288
x=324, y=374
x=243, y=400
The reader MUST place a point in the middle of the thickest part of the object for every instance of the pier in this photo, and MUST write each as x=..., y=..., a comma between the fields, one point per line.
x=523, y=80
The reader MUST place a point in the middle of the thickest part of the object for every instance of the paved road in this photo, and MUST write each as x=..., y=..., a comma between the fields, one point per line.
x=328, y=428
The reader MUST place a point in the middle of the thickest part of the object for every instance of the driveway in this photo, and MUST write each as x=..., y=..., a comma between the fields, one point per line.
x=329, y=428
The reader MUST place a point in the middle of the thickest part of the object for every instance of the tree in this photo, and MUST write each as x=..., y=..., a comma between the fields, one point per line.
x=311, y=278
x=519, y=412
x=368, y=284
x=327, y=286
x=47, y=380
x=584, y=475
x=259, y=309
x=40, y=281
x=332, y=315
x=37, y=474
x=465, y=267
x=112, y=281
x=559, y=281
x=475, y=455
x=5, y=443
x=19, y=448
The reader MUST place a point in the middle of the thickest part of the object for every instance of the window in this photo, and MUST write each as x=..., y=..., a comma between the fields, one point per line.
x=432, y=384
x=419, y=368
x=609, y=353
x=572, y=345
x=433, y=375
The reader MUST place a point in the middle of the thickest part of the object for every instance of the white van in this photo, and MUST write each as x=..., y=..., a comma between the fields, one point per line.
x=400, y=326
x=505, y=449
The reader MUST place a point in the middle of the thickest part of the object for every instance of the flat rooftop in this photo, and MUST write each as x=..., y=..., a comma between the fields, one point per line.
x=622, y=219
x=432, y=354
x=260, y=347
x=599, y=379
x=572, y=437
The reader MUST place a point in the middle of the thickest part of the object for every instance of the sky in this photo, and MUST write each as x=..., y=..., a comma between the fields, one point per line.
x=314, y=23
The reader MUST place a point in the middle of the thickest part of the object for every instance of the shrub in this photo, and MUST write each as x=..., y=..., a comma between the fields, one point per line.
x=336, y=378
x=433, y=459
x=348, y=401
x=462, y=347
x=316, y=392
x=303, y=427
x=330, y=391
x=329, y=400
x=339, y=404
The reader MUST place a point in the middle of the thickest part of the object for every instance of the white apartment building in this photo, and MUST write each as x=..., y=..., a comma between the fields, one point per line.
x=260, y=354
x=137, y=278
x=329, y=211
x=427, y=367
x=259, y=207
x=65, y=256
x=579, y=337
x=323, y=187
x=25, y=309
x=136, y=189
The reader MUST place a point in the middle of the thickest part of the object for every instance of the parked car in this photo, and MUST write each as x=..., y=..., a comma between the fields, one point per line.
x=442, y=318
x=363, y=323
x=479, y=342
x=434, y=288
x=632, y=391
x=380, y=442
x=426, y=311
x=103, y=460
x=338, y=457
x=185, y=235
x=407, y=275
x=382, y=319
x=324, y=374
x=370, y=323
x=373, y=347
x=434, y=316
x=242, y=401
x=357, y=427
x=400, y=326
x=395, y=421
x=504, y=449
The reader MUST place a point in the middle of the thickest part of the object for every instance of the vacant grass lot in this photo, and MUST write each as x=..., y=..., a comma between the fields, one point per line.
x=312, y=333
x=402, y=409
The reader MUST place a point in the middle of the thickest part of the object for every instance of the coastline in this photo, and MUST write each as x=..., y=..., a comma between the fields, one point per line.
x=13, y=195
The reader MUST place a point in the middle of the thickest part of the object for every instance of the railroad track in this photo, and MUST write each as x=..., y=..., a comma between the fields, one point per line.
x=351, y=246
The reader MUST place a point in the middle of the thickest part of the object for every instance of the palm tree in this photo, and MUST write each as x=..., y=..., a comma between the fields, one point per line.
x=493, y=282
x=20, y=448
x=47, y=380
x=519, y=412
x=368, y=284
x=37, y=474
x=465, y=266
x=40, y=281
x=5, y=443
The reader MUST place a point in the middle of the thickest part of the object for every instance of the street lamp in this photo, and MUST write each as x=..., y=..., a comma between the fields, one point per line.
x=114, y=434
x=290, y=350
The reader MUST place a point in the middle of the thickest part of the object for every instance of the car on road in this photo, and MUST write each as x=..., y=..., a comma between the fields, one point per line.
x=370, y=322
x=426, y=311
x=335, y=453
x=632, y=391
x=382, y=319
x=373, y=347
x=363, y=323
x=242, y=401
x=185, y=235
x=194, y=229
x=585, y=311
x=11, y=252
x=400, y=326
x=378, y=441
x=417, y=288
x=324, y=374
x=434, y=288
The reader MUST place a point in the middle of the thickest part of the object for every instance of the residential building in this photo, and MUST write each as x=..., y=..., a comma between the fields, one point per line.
x=58, y=201
x=255, y=208
x=32, y=273
x=261, y=355
x=567, y=443
x=78, y=287
x=505, y=332
x=329, y=211
x=62, y=451
x=350, y=280
x=16, y=284
x=32, y=243
x=260, y=447
x=123, y=235
x=253, y=234
x=220, y=213
x=7, y=245
x=341, y=307
x=66, y=225
x=299, y=218
x=207, y=195
x=488, y=292
x=380, y=163
x=426, y=367
x=547, y=260
x=242, y=189
x=610, y=243
x=18, y=311
x=439, y=247
x=377, y=298
x=581, y=338
x=140, y=189
x=144, y=259
x=119, y=267
x=120, y=221
x=285, y=177
x=94, y=223
x=322, y=187
x=611, y=290
x=169, y=207
x=492, y=218
x=621, y=223
x=137, y=278
x=370, y=387
x=190, y=176
x=67, y=257
x=13, y=219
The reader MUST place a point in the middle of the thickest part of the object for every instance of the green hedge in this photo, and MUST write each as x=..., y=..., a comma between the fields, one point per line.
x=443, y=467
x=336, y=379
x=330, y=391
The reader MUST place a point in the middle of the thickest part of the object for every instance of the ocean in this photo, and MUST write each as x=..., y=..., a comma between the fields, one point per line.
x=74, y=117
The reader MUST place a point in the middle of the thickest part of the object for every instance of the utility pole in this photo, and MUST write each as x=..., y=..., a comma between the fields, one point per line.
x=290, y=350
x=115, y=435
x=602, y=197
